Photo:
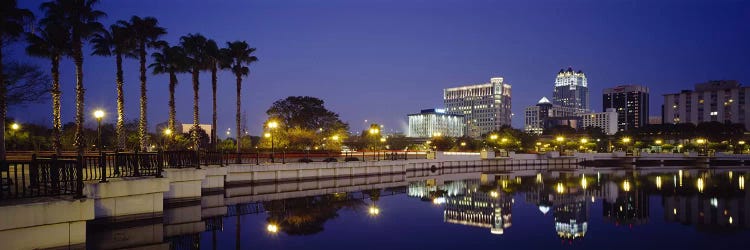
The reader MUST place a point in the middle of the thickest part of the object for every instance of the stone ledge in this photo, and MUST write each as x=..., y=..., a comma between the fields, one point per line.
x=45, y=212
x=125, y=187
x=184, y=174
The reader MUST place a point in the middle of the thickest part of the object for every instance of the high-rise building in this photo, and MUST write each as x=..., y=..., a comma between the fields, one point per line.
x=485, y=107
x=571, y=90
x=630, y=102
x=720, y=101
x=430, y=122
x=540, y=116
x=607, y=121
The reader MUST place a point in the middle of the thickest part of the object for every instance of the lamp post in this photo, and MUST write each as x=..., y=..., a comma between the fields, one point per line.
x=14, y=129
x=271, y=126
x=99, y=114
x=742, y=146
x=704, y=145
x=583, y=143
x=626, y=142
x=374, y=132
x=560, y=140
x=167, y=136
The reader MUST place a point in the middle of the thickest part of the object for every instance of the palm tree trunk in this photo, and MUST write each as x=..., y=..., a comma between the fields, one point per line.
x=2, y=103
x=213, y=122
x=143, y=124
x=120, y=130
x=237, y=117
x=78, y=60
x=172, y=113
x=56, y=116
x=196, y=120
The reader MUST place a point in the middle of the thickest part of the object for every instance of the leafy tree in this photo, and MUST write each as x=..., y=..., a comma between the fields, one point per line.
x=81, y=19
x=239, y=55
x=52, y=42
x=116, y=41
x=170, y=60
x=12, y=20
x=305, y=112
x=195, y=47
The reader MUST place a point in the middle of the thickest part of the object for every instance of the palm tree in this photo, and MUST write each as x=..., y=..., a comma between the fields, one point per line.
x=12, y=20
x=145, y=33
x=215, y=60
x=118, y=42
x=80, y=17
x=195, y=47
x=171, y=60
x=240, y=56
x=51, y=42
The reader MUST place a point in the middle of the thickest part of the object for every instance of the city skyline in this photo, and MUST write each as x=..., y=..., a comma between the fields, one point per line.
x=381, y=65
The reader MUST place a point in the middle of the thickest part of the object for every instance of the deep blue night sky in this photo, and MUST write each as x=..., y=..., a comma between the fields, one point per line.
x=382, y=60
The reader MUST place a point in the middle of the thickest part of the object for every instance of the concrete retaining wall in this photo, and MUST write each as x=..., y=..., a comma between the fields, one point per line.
x=132, y=196
x=45, y=223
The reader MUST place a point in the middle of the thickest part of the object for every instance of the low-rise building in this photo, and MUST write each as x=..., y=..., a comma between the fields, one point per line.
x=607, y=121
x=431, y=122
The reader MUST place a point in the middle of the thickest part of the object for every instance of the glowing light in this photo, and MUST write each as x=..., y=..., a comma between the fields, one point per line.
x=700, y=141
x=674, y=211
x=714, y=202
x=15, y=126
x=741, y=142
x=592, y=199
x=626, y=140
x=539, y=178
x=700, y=185
x=584, y=140
x=437, y=134
x=382, y=139
x=504, y=140
x=493, y=137
x=98, y=114
x=167, y=132
x=742, y=182
x=730, y=176
x=273, y=124
x=272, y=228
x=658, y=142
x=560, y=139
x=374, y=210
x=504, y=183
x=680, y=174
x=463, y=144
x=266, y=135
x=544, y=209
x=626, y=186
x=658, y=182
x=335, y=137
x=584, y=182
x=731, y=220
x=493, y=194
x=438, y=200
x=560, y=188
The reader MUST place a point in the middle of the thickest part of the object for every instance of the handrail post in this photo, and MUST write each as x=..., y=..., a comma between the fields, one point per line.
x=159, y=163
x=102, y=167
x=137, y=165
x=197, y=159
x=79, y=175
x=257, y=155
x=283, y=157
x=117, y=162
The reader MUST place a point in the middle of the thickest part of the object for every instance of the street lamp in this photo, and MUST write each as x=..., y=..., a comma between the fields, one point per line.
x=14, y=128
x=625, y=141
x=560, y=140
x=99, y=114
x=704, y=145
x=271, y=126
x=167, y=135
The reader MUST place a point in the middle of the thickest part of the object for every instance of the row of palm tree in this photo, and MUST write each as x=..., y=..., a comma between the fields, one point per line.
x=68, y=24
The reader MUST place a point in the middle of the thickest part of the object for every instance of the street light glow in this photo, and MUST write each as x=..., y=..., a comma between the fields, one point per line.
x=335, y=137
x=15, y=126
x=374, y=210
x=493, y=137
x=273, y=124
x=626, y=139
x=266, y=135
x=374, y=131
x=584, y=140
x=98, y=114
x=700, y=141
x=167, y=132
x=560, y=139
x=272, y=228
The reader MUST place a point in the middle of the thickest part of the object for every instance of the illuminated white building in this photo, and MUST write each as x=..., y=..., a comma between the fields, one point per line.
x=431, y=122
x=486, y=107
x=720, y=101
x=537, y=117
x=571, y=90
x=607, y=121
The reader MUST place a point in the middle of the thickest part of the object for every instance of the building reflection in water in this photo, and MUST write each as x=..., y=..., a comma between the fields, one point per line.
x=625, y=203
x=717, y=202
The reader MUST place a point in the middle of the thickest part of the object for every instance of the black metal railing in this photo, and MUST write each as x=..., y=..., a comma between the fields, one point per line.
x=41, y=177
x=181, y=159
x=211, y=158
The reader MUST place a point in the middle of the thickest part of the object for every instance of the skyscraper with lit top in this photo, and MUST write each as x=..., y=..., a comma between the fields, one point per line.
x=571, y=90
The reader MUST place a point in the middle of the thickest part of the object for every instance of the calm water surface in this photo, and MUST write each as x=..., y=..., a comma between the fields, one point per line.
x=590, y=209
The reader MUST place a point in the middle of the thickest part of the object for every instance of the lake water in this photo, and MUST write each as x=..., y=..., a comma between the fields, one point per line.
x=586, y=209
